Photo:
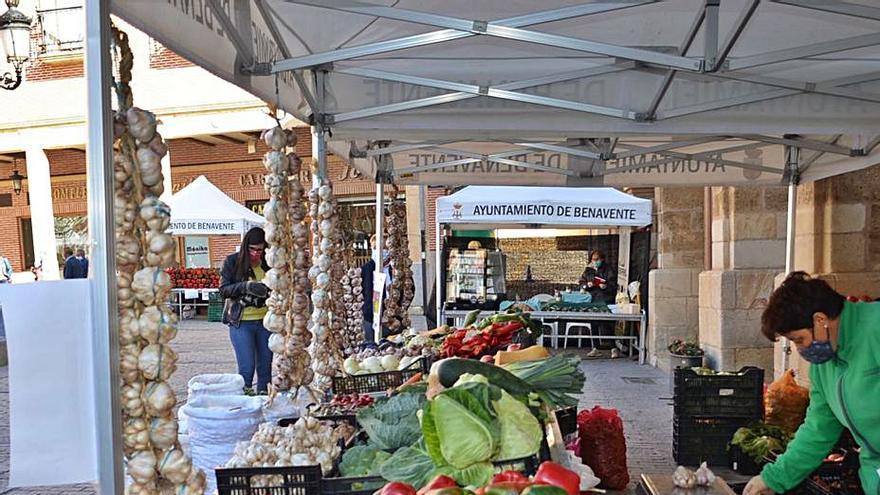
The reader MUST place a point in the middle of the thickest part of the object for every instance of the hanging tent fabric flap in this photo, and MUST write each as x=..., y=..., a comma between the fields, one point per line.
x=418, y=74
x=201, y=208
x=561, y=206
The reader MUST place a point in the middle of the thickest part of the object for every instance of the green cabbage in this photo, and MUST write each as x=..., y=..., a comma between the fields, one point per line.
x=478, y=474
x=521, y=433
x=392, y=423
x=460, y=425
x=362, y=460
x=409, y=465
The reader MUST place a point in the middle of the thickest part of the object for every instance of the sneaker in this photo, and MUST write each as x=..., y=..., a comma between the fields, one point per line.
x=594, y=353
x=615, y=353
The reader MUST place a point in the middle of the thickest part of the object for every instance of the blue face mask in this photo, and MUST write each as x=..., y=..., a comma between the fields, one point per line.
x=819, y=351
x=597, y=264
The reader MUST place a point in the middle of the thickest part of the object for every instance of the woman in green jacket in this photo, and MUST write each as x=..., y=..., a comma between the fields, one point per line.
x=842, y=341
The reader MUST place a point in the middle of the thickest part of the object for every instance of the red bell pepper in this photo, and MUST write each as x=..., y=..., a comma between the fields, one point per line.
x=398, y=488
x=553, y=474
x=439, y=481
x=509, y=476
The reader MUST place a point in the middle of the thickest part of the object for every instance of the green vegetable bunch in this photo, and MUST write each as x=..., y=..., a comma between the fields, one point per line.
x=758, y=440
x=682, y=348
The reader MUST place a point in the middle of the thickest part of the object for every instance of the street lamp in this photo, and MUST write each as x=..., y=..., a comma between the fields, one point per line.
x=16, y=181
x=15, y=34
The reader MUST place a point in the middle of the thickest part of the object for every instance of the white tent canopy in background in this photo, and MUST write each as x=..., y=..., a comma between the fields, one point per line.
x=557, y=92
x=509, y=206
x=201, y=208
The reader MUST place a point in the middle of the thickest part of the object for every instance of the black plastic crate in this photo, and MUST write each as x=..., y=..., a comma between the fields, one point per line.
x=704, y=440
x=736, y=396
x=301, y=480
x=566, y=418
x=356, y=485
x=349, y=418
x=377, y=382
x=743, y=463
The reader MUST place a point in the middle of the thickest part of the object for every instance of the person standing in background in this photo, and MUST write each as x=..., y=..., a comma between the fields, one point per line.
x=67, y=254
x=600, y=279
x=367, y=271
x=245, y=306
x=76, y=266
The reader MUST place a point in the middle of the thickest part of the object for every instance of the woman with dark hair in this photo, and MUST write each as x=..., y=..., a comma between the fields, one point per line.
x=841, y=340
x=600, y=280
x=245, y=305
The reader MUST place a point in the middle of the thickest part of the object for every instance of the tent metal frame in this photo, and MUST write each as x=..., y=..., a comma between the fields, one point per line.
x=311, y=71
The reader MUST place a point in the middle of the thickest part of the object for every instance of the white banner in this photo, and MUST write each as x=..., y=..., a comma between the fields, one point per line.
x=206, y=227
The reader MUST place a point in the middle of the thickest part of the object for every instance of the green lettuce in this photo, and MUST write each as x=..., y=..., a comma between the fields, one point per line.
x=521, y=433
x=392, y=423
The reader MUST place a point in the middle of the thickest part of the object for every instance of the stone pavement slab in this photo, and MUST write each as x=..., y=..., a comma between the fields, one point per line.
x=637, y=392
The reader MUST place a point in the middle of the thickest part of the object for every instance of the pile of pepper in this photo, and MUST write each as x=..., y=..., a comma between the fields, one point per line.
x=551, y=479
x=492, y=333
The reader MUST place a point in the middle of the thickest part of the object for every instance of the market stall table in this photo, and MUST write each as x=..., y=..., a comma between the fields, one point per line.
x=190, y=297
x=458, y=317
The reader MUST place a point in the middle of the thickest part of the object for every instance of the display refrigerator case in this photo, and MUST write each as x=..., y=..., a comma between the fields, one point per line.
x=475, y=279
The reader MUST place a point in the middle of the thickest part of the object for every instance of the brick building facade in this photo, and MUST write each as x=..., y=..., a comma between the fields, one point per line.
x=235, y=168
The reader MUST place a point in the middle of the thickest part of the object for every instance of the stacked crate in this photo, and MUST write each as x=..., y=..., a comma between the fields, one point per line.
x=708, y=409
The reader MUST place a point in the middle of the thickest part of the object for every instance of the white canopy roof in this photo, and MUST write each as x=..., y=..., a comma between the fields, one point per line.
x=558, y=206
x=564, y=92
x=201, y=208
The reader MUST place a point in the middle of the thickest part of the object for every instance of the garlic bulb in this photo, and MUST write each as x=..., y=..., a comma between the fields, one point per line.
x=684, y=478
x=135, y=435
x=276, y=343
x=158, y=398
x=141, y=124
x=131, y=400
x=157, y=325
x=275, y=138
x=142, y=466
x=163, y=432
x=175, y=466
x=157, y=362
x=150, y=285
x=704, y=475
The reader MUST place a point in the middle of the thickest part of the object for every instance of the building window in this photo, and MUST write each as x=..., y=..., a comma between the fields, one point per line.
x=5, y=199
x=59, y=28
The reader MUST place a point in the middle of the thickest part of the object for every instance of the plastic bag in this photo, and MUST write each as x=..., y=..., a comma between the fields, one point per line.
x=216, y=424
x=285, y=405
x=785, y=404
x=603, y=446
x=215, y=384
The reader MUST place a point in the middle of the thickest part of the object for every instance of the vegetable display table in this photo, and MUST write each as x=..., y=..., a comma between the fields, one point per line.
x=189, y=297
x=545, y=316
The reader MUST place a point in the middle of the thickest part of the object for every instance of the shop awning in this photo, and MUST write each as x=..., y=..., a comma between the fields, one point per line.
x=201, y=208
x=558, y=92
x=531, y=206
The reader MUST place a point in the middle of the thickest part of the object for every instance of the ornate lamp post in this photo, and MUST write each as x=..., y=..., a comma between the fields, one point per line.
x=16, y=181
x=15, y=34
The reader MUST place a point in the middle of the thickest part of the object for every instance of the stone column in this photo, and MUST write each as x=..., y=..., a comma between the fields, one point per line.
x=673, y=288
x=39, y=188
x=838, y=239
x=748, y=252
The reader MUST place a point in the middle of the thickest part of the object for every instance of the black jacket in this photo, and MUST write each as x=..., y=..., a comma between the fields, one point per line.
x=607, y=272
x=234, y=291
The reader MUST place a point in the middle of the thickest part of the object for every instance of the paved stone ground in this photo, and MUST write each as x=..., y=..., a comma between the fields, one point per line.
x=636, y=391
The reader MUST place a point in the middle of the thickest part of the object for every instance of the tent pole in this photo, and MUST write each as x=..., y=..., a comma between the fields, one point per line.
x=105, y=343
x=792, y=159
x=438, y=271
x=423, y=244
x=380, y=248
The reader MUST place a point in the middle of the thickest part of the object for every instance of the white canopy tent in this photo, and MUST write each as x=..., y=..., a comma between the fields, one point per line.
x=201, y=208
x=476, y=207
x=517, y=92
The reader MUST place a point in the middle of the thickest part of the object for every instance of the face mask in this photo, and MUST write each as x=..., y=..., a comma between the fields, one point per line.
x=818, y=352
x=597, y=264
x=255, y=256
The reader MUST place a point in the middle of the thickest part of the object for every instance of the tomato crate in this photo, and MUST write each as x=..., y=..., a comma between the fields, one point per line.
x=299, y=480
x=695, y=440
x=377, y=382
x=732, y=396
